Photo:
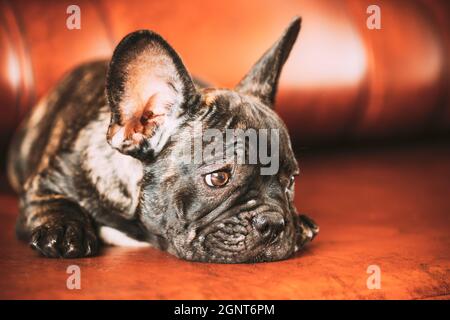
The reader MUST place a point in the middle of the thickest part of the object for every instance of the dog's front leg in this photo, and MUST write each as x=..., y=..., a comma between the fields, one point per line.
x=56, y=226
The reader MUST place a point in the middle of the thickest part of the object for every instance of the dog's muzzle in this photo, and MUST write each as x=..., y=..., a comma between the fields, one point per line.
x=269, y=225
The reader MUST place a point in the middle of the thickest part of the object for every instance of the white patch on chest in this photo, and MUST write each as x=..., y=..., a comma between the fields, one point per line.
x=116, y=176
x=115, y=237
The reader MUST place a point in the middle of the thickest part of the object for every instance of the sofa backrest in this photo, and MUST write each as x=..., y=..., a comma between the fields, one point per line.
x=343, y=81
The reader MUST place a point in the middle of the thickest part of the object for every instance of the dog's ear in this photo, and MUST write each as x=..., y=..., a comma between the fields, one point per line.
x=149, y=91
x=262, y=80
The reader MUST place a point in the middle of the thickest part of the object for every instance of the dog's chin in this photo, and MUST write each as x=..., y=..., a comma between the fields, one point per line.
x=234, y=240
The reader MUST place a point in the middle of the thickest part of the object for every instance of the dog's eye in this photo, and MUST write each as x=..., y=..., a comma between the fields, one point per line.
x=291, y=182
x=217, y=179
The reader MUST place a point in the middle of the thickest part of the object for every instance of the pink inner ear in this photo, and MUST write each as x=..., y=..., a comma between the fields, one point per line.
x=140, y=125
x=146, y=116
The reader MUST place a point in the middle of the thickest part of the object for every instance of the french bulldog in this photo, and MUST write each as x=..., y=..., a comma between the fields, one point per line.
x=97, y=161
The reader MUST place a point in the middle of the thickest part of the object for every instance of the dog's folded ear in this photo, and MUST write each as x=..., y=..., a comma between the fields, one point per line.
x=262, y=79
x=149, y=91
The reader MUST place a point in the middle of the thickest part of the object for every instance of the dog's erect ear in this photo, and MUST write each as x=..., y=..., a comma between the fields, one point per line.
x=262, y=80
x=149, y=91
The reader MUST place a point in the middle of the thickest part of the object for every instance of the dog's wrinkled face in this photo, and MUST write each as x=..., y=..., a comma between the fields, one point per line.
x=224, y=211
x=215, y=207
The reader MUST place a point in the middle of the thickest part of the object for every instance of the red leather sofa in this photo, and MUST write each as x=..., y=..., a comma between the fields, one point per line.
x=344, y=86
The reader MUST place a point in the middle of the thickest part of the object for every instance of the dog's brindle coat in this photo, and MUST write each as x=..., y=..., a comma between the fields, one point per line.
x=101, y=151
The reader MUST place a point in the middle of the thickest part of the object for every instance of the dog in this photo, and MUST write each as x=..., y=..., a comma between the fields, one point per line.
x=97, y=161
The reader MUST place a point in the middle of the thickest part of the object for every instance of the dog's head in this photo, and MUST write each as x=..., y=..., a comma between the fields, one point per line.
x=219, y=169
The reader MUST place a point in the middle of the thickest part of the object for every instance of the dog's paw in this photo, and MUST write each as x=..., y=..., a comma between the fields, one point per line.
x=307, y=230
x=62, y=239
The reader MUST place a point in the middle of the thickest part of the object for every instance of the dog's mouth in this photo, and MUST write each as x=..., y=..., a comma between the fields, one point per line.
x=251, y=236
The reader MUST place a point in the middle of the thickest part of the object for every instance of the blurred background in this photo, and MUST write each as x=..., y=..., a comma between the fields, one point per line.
x=369, y=116
x=343, y=83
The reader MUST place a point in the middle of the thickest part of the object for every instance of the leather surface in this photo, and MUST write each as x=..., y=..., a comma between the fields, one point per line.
x=387, y=208
x=342, y=83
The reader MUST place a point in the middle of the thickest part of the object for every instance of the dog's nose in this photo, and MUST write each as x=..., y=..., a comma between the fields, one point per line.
x=269, y=225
